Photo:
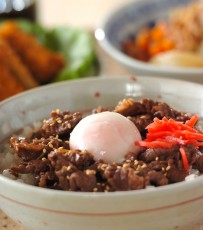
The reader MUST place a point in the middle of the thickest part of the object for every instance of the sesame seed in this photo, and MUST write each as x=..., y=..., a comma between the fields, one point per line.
x=69, y=168
x=69, y=125
x=130, y=101
x=163, y=169
x=44, y=150
x=57, y=111
x=50, y=145
x=143, y=166
x=66, y=116
x=156, y=158
x=90, y=172
x=64, y=169
x=126, y=165
x=107, y=188
x=136, y=162
x=103, y=167
x=59, y=121
x=138, y=167
x=66, y=154
x=82, y=152
x=43, y=158
x=95, y=189
x=168, y=168
x=128, y=161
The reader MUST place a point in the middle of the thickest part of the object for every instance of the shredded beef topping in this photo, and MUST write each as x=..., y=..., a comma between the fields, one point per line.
x=60, y=123
x=47, y=156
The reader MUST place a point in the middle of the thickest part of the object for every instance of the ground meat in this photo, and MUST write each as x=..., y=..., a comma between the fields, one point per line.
x=26, y=150
x=199, y=161
x=81, y=159
x=160, y=154
x=126, y=179
x=83, y=181
x=47, y=156
x=33, y=166
x=60, y=123
x=130, y=107
x=162, y=109
x=175, y=174
x=141, y=122
x=46, y=180
x=156, y=178
x=30, y=149
x=100, y=109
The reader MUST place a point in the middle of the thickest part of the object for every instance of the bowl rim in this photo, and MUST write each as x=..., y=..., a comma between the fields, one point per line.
x=49, y=192
x=124, y=58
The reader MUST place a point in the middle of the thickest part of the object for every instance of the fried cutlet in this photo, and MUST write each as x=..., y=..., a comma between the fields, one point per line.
x=9, y=85
x=14, y=75
x=15, y=65
x=43, y=63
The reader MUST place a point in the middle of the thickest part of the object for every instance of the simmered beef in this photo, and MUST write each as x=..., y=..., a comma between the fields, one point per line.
x=46, y=154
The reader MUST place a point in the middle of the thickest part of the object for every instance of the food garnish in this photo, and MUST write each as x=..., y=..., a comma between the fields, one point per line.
x=167, y=133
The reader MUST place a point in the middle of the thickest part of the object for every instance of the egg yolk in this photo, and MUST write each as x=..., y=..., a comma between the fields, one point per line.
x=108, y=136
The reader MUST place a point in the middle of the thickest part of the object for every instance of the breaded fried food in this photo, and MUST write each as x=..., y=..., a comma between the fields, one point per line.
x=43, y=63
x=9, y=85
x=18, y=69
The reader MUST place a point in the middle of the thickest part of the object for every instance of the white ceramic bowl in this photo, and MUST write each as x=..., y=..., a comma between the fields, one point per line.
x=126, y=20
x=177, y=206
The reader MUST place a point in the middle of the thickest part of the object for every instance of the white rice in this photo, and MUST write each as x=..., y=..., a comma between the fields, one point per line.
x=9, y=159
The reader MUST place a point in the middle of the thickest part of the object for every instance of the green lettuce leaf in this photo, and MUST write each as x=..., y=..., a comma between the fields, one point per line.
x=75, y=44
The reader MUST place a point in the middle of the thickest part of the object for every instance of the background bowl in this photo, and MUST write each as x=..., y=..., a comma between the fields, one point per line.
x=127, y=20
x=176, y=206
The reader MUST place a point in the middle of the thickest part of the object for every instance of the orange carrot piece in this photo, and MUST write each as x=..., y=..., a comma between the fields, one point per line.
x=192, y=121
x=171, y=132
x=184, y=159
x=154, y=144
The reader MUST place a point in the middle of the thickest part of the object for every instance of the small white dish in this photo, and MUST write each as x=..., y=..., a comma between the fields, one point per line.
x=125, y=21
